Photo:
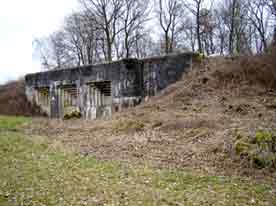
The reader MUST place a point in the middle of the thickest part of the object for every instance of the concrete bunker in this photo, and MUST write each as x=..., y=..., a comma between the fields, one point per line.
x=97, y=91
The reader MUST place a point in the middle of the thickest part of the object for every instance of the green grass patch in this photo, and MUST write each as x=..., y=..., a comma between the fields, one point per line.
x=33, y=174
x=11, y=123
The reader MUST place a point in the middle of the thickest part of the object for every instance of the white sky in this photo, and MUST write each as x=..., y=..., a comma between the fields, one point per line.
x=20, y=22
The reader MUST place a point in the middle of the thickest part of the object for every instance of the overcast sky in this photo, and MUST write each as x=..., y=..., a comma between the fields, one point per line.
x=20, y=22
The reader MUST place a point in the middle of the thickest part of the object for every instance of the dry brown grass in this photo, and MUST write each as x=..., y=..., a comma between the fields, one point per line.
x=13, y=100
x=252, y=70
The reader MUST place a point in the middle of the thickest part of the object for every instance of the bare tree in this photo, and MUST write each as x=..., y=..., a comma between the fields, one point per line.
x=105, y=29
x=119, y=46
x=235, y=19
x=195, y=8
x=169, y=13
x=105, y=14
x=207, y=23
x=259, y=16
x=52, y=51
x=188, y=37
x=60, y=53
x=82, y=38
x=74, y=29
x=272, y=5
x=233, y=8
x=42, y=50
x=221, y=30
x=135, y=15
x=144, y=45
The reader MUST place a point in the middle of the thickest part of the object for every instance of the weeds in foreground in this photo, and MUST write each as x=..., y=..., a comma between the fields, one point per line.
x=34, y=174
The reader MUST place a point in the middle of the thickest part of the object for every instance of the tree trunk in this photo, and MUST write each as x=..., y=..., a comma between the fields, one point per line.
x=109, y=46
x=221, y=46
x=127, y=46
x=109, y=52
x=264, y=43
x=167, y=43
x=198, y=29
x=171, y=49
x=274, y=37
x=231, y=34
x=89, y=56
x=212, y=46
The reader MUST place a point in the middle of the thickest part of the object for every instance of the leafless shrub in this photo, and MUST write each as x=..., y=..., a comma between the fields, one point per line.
x=13, y=100
x=253, y=70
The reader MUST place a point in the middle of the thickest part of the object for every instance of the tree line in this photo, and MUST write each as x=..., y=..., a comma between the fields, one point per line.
x=107, y=30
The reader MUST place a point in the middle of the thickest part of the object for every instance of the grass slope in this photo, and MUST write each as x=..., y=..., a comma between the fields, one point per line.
x=33, y=173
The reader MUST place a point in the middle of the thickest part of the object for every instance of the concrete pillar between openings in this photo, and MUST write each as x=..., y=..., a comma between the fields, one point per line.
x=60, y=109
x=96, y=97
x=92, y=96
x=100, y=97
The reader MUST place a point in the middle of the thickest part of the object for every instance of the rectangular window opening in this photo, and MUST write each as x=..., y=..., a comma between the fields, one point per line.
x=43, y=96
x=69, y=95
x=100, y=93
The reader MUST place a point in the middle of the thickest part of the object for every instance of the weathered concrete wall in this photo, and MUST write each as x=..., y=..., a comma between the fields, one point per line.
x=159, y=72
x=126, y=86
x=129, y=81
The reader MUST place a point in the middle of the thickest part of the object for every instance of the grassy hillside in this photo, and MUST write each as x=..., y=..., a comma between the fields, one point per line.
x=34, y=172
